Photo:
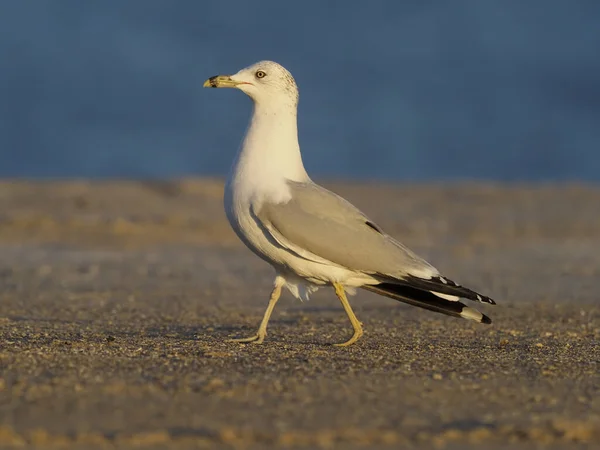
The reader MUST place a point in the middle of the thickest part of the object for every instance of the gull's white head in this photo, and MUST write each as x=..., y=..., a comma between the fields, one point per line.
x=264, y=82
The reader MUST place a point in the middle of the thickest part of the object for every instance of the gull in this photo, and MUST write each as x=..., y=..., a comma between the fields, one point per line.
x=311, y=236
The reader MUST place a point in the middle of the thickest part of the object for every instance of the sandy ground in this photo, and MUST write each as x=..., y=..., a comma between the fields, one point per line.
x=116, y=299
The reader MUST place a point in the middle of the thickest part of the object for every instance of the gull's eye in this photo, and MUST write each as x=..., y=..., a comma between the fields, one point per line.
x=260, y=74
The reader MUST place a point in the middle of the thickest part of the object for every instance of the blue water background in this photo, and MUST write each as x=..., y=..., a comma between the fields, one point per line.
x=389, y=90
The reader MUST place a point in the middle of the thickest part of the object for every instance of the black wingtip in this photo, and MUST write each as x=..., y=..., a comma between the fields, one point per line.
x=484, y=299
x=445, y=285
x=428, y=300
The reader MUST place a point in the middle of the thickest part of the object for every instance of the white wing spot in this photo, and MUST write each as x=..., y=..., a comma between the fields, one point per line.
x=470, y=313
x=452, y=298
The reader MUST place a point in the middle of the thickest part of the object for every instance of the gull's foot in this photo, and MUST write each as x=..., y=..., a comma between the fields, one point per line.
x=352, y=340
x=256, y=339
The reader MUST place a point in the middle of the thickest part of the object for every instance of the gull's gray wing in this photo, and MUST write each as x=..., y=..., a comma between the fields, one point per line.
x=319, y=225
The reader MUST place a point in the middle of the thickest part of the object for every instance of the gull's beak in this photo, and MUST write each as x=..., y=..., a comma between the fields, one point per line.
x=222, y=81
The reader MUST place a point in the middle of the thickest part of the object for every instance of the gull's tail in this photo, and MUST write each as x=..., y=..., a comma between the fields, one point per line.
x=442, y=302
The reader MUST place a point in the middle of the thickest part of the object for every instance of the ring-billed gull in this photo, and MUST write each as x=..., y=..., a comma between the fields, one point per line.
x=311, y=236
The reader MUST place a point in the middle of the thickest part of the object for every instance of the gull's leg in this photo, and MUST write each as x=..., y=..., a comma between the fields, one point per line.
x=358, y=332
x=259, y=337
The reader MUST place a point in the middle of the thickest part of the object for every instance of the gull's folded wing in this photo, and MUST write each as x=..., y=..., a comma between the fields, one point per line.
x=319, y=225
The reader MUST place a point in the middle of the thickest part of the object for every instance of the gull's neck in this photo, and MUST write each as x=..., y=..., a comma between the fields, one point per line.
x=270, y=153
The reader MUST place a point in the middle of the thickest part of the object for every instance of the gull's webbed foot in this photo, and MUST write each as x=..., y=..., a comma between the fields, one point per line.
x=256, y=339
x=357, y=334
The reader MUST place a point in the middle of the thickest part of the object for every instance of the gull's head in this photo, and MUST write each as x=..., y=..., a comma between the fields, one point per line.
x=264, y=82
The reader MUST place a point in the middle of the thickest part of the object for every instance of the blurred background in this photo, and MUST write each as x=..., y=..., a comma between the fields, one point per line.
x=389, y=90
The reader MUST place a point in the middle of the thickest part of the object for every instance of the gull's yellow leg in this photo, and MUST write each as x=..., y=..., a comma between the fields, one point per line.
x=259, y=337
x=358, y=332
